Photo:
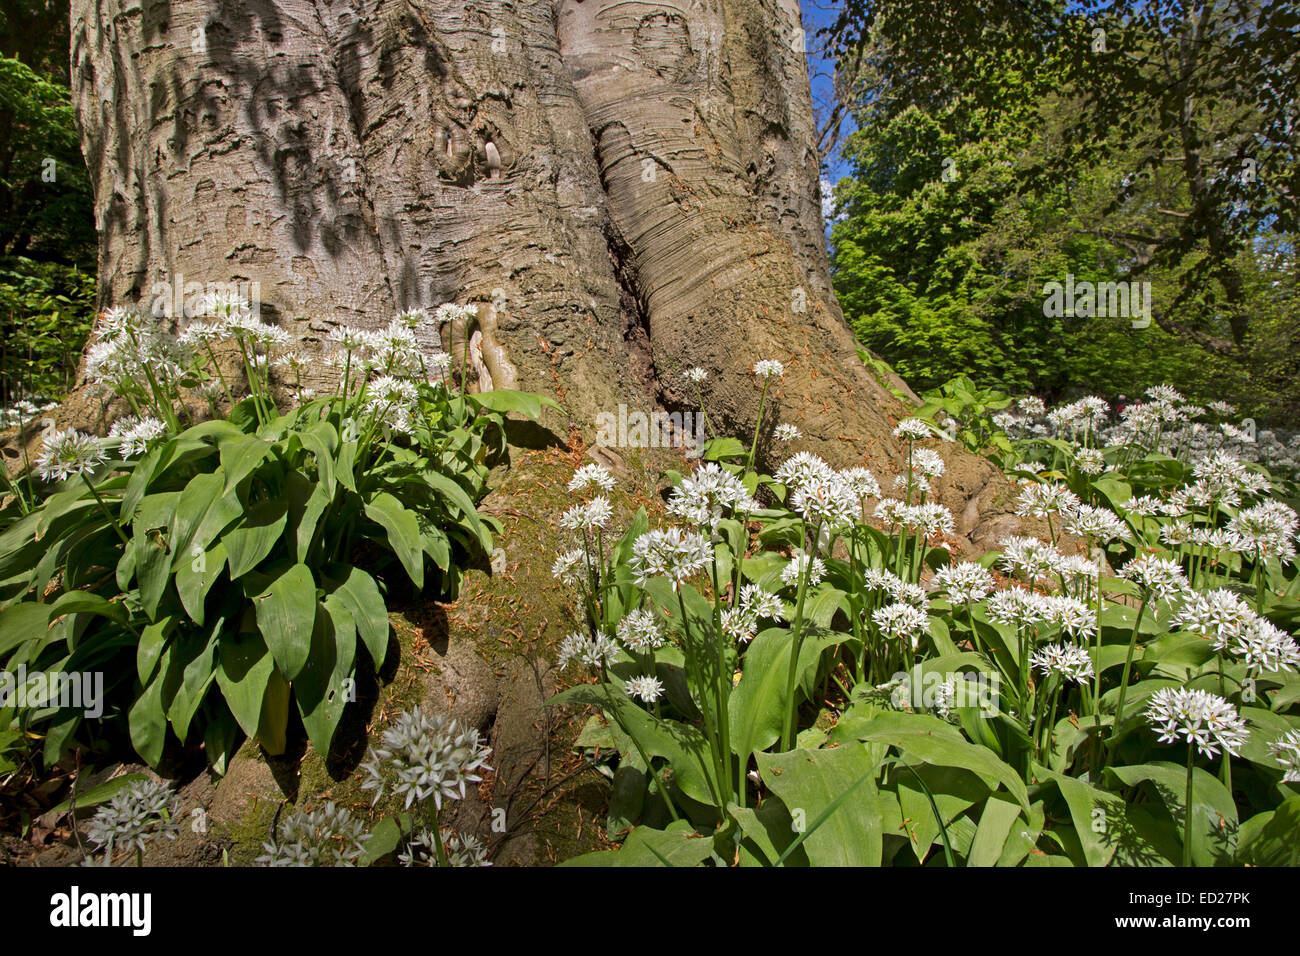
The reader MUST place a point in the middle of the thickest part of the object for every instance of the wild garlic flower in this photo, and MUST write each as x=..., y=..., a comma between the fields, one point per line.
x=769, y=368
x=861, y=483
x=1175, y=533
x=1268, y=528
x=592, y=474
x=1286, y=751
x=1199, y=717
x=1143, y=505
x=1030, y=556
x=590, y=516
x=69, y=452
x=462, y=849
x=754, y=600
x=134, y=817
x=826, y=501
x=739, y=625
x=348, y=338
x=1098, y=524
x=1040, y=499
x=914, y=429
x=931, y=519
x=672, y=552
x=878, y=579
x=695, y=376
x=438, y=362
x=701, y=498
x=1222, y=408
x=426, y=756
x=1219, y=615
x=786, y=432
x=136, y=434
x=798, y=565
x=1090, y=461
x=902, y=622
x=1262, y=646
x=1069, y=614
x=412, y=318
x=1032, y=406
x=917, y=482
x=454, y=313
x=1162, y=578
x=801, y=468
x=928, y=462
x=965, y=581
x=569, y=567
x=326, y=836
x=640, y=632
x=592, y=652
x=1066, y=661
x=1013, y=606
x=645, y=689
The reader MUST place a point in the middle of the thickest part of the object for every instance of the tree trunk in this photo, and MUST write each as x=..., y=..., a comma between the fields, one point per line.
x=628, y=190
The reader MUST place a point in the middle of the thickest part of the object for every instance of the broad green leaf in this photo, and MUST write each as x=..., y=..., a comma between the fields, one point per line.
x=244, y=669
x=360, y=595
x=255, y=536
x=195, y=578
x=832, y=794
x=403, y=533
x=240, y=457
x=909, y=733
x=678, y=845
x=286, y=614
x=320, y=689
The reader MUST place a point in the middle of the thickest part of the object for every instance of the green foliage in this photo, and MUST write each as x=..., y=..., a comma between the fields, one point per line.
x=46, y=313
x=881, y=706
x=996, y=151
x=238, y=568
x=47, y=233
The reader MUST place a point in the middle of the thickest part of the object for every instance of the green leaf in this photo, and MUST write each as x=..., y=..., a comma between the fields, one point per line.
x=243, y=671
x=101, y=793
x=250, y=541
x=240, y=457
x=1214, y=813
x=507, y=400
x=832, y=795
x=286, y=615
x=915, y=736
x=195, y=578
x=148, y=720
x=321, y=689
x=1275, y=843
x=999, y=816
x=403, y=533
x=21, y=622
x=360, y=595
x=678, y=845
x=152, y=641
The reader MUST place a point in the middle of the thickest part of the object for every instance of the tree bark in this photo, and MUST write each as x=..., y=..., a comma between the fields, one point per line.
x=633, y=187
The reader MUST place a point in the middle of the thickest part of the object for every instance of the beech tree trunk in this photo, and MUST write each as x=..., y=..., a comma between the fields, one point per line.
x=628, y=189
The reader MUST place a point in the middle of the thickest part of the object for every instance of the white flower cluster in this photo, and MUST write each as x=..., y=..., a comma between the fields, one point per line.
x=326, y=836
x=1066, y=661
x=1199, y=717
x=702, y=498
x=589, y=651
x=425, y=756
x=672, y=552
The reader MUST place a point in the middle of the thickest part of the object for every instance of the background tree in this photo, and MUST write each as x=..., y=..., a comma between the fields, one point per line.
x=1114, y=141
